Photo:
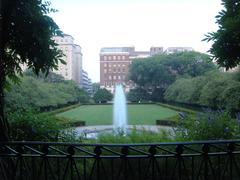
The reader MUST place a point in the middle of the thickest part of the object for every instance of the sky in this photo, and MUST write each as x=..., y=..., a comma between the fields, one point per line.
x=141, y=23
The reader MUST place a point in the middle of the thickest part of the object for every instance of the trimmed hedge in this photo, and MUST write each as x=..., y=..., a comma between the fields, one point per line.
x=162, y=122
x=180, y=109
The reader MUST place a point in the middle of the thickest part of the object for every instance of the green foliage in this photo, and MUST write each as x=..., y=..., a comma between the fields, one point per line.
x=158, y=95
x=215, y=89
x=137, y=94
x=102, y=96
x=40, y=92
x=155, y=74
x=32, y=126
x=226, y=41
x=27, y=33
x=26, y=39
x=162, y=70
x=95, y=87
x=135, y=136
x=208, y=126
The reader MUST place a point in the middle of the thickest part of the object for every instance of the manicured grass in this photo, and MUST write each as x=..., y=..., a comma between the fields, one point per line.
x=102, y=114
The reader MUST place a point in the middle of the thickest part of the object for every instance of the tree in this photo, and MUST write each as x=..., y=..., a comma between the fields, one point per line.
x=102, y=96
x=95, y=87
x=156, y=73
x=137, y=94
x=25, y=37
x=226, y=41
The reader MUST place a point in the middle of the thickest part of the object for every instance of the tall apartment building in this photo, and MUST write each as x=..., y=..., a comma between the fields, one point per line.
x=73, y=58
x=114, y=65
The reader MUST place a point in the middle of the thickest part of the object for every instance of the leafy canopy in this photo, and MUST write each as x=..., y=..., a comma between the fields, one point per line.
x=26, y=37
x=226, y=40
x=102, y=95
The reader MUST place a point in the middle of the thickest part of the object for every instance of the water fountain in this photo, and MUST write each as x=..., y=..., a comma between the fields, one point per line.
x=120, y=124
x=119, y=110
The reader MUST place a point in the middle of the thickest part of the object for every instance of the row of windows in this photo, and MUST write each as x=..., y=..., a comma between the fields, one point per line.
x=114, y=57
x=115, y=77
x=109, y=84
x=113, y=65
x=115, y=70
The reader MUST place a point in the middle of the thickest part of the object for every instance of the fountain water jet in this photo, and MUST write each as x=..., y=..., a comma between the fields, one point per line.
x=119, y=110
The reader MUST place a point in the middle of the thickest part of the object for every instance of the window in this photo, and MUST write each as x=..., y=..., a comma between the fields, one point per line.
x=109, y=57
x=105, y=64
x=105, y=70
x=123, y=57
x=118, y=57
x=114, y=77
x=110, y=77
x=114, y=57
x=105, y=58
x=123, y=69
x=119, y=77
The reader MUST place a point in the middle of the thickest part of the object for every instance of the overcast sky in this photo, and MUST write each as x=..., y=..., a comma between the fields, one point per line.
x=141, y=23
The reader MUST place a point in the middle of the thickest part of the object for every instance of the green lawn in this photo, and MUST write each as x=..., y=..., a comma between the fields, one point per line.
x=102, y=114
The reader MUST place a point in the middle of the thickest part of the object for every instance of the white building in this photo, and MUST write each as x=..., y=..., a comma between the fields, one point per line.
x=171, y=50
x=73, y=58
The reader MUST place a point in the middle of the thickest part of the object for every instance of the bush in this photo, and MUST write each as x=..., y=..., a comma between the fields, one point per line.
x=32, y=126
x=208, y=126
x=135, y=136
x=35, y=92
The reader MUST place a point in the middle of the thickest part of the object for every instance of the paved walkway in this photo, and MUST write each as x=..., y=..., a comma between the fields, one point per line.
x=92, y=131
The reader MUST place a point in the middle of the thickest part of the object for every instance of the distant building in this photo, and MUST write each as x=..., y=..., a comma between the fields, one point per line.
x=73, y=58
x=171, y=50
x=86, y=83
x=156, y=50
x=114, y=65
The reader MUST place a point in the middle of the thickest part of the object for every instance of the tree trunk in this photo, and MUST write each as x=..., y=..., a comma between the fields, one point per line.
x=3, y=121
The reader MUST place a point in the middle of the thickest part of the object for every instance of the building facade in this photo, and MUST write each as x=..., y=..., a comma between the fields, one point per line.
x=86, y=83
x=72, y=56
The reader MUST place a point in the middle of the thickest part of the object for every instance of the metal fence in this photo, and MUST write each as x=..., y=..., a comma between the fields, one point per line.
x=75, y=161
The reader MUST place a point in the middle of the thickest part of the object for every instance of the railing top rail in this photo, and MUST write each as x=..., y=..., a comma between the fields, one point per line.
x=118, y=144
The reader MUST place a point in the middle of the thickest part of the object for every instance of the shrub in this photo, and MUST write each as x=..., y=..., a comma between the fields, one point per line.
x=136, y=136
x=208, y=126
x=33, y=126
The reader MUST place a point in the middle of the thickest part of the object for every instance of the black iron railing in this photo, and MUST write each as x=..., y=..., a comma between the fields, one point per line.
x=73, y=161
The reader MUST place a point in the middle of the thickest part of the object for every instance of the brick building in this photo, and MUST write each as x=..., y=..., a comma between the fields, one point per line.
x=114, y=65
